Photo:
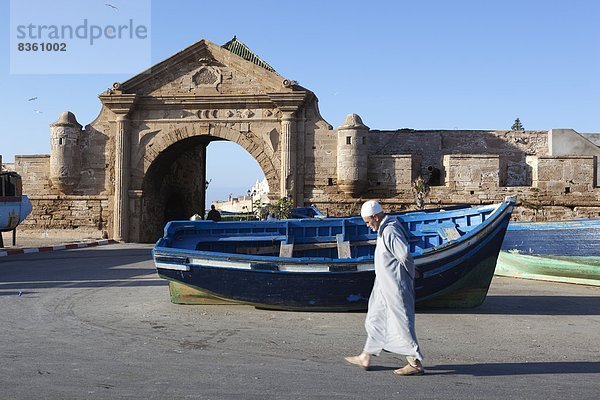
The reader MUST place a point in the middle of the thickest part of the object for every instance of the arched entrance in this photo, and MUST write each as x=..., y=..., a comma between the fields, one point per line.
x=159, y=124
x=174, y=185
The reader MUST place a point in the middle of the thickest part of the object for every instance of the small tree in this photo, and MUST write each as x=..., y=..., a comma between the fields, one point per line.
x=420, y=189
x=257, y=207
x=282, y=208
x=517, y=126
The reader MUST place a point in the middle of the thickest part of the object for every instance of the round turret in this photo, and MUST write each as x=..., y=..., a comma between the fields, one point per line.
x=65, y=157
x=352, y=155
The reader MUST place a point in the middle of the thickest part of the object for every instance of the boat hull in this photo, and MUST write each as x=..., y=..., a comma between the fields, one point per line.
x=463, y=284
x=13, y=210
x=456, y=276
x=181, y=293
x=579, y=270
x=566, y=251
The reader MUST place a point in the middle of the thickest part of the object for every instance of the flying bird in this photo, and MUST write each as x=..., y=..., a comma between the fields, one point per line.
x=32, y=98
x=111, y=6
x=38, y=111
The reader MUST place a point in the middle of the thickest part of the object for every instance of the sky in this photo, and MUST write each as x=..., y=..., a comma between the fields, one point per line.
x=430, y=64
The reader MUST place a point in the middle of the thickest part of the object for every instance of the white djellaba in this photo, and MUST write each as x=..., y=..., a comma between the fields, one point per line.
x=390, y=321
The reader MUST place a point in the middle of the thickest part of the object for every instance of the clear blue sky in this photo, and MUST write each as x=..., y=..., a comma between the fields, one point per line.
x=432, y=64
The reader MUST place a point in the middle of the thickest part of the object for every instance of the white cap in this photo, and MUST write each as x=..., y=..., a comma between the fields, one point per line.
x=370, y=208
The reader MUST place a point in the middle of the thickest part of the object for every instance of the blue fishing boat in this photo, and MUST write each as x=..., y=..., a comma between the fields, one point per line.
x=563, y=251
x=327, y=264
x=14, y=206
x=306, y=212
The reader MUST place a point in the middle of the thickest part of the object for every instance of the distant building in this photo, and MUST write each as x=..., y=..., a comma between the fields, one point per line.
x=243, y=203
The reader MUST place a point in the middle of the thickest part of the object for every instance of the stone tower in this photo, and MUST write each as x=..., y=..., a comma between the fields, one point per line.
x=352, y=155
x=65, y=155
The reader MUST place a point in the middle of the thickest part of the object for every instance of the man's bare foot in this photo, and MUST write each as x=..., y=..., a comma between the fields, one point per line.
x=363, y=360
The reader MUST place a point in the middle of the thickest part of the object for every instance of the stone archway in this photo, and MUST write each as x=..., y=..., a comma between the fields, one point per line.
x=203, y=93
x=263, y=146
x=174, y=183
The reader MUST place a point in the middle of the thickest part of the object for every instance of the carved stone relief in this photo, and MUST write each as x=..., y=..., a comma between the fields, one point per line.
x=206, y=114
x=207, y=76
x=240, y=114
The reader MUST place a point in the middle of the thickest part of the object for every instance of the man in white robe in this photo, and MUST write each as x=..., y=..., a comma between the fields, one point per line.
x=390, y=322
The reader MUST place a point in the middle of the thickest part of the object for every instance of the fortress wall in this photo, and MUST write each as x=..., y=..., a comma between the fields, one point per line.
x=69, y=216
x=35, y=172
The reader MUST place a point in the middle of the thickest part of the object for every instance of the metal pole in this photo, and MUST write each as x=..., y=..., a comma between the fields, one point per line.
x=15, y=237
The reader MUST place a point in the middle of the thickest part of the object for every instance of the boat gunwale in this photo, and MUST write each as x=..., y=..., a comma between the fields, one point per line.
x=499, y=211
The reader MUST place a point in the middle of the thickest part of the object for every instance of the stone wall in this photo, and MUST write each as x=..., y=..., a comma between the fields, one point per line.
x=472, y=172
x=35, y=173
x=59, y=215
x=391, y=173
x=431, y=146
x=320, y=156
x=475, y=167
x=72, y=217
x=559, y=187
x=567, y=142
x=563, y=175
x=532, y=204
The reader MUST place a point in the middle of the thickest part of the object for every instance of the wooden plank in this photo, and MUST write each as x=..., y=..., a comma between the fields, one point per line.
x=240, y=238
x=342, y=247
x=257, y=250
x=286, y=250
x=446, y=230
x=450, y=233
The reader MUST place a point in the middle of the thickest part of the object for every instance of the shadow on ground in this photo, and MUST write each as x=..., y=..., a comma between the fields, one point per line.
x=530, y=305
x=507, y=369
x=87, y=267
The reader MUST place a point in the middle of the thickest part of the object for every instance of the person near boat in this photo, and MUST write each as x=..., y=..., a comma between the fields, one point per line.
x=213, y=214
x=390, y=321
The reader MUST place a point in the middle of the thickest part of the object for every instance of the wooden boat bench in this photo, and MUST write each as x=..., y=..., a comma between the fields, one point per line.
x=446, y=230
x=200, y=240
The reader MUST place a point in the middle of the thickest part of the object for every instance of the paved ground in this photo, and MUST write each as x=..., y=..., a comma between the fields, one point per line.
x=31, y=239
x=97, y=323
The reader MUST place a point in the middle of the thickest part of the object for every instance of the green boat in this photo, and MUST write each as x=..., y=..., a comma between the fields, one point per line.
x=565, y=251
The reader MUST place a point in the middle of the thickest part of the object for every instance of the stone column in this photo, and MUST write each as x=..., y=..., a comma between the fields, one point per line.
x=202, y=157
x=289, y=102
x=288, y=154
x=121, y=195
x=121, y=104
x=300, y=161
